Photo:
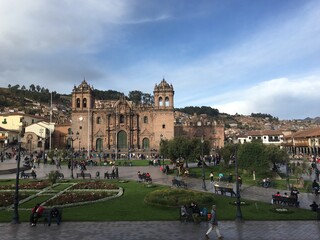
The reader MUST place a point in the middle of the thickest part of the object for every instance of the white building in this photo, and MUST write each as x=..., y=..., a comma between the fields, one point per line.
x=265, y=136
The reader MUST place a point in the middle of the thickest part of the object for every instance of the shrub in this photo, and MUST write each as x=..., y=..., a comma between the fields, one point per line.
x=176, y=197
x=53, y=176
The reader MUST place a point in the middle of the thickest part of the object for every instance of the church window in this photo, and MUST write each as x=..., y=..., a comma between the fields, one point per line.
x=98, y=120
x=167, y=103
x=121, y=118
x=163, y=126
x=160, y=101
x=78, y=102
x=84, y=103
x=145, y=119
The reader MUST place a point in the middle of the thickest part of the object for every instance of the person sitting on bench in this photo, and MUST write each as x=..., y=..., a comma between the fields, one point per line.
x=54, y=214
x=36, y=213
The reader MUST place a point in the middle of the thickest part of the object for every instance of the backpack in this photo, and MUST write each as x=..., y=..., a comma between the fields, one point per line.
x=204, y=212
x=54, y=212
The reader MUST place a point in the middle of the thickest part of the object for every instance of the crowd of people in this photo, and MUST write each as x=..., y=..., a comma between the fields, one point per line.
x=293, y=195
x=144, y=177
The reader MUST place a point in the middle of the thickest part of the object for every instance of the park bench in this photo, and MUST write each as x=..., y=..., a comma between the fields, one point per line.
x=178, y=183
x=188, y=217
x=285, y=201
x=84, y=175
x=224, y=190
x=28, y=175
x=143, y=177
x=45, y=216
x=111, y=175
x=60, y=175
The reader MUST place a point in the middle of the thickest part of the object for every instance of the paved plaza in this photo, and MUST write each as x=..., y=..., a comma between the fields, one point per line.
x=164, y=229
x=279, y=230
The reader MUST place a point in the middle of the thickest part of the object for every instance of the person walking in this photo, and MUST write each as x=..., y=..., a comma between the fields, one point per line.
x=213, y=223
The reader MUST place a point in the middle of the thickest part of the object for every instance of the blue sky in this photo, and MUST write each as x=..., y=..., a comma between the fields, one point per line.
x=243, y=57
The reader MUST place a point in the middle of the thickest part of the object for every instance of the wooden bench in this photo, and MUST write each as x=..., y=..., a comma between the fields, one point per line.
x=60, y=175
x=84, y=175
x=143, y=177
x=285, y=201
x=178, y=183
x=28, y=175
x=228, y=190
x=47, y=219
x=188, y=216
x=224, y=190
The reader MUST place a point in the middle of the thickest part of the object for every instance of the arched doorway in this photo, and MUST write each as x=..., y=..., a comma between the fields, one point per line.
x=99, y=145
x=145, y=144
x=122, y=140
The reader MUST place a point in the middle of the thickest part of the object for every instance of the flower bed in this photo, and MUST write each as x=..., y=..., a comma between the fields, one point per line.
x=29, y=185
x=94, y=185
x=6, y=198
x=76, y=197
x=80, y=193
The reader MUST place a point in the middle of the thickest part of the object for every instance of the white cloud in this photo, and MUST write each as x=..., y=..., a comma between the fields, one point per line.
x=56, y=43
x=284, y=98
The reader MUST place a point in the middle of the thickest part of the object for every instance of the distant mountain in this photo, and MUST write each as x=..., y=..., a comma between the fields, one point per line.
x=28, y=100
x=315, y=120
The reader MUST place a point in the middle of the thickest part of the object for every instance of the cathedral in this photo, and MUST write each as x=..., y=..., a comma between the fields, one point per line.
x=121, y=126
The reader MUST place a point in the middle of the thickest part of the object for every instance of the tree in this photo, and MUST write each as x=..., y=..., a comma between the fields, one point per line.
x=181, y=147
x=14, y=89
x=252, y=157
x=32, y=88
x=276, y=155
x=200, y=110
x=228, y=151
x=38, y=88
x=299, y=169
x=135, y=96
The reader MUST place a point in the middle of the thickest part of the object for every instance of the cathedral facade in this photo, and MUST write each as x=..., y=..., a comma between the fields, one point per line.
x=121, y=126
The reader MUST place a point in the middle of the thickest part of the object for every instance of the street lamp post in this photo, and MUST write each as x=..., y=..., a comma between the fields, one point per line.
x=204, y=187
x=239, y=213
x=72, y=140
x=15, y=219
x=161, y=142
x=288, y=175
x=203, y=162
x=42, y=142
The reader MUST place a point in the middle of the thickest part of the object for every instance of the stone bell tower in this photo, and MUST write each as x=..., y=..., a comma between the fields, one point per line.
x=163, y=95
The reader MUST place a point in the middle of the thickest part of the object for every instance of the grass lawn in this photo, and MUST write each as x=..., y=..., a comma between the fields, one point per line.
x=125, y=162
x=132, y=207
